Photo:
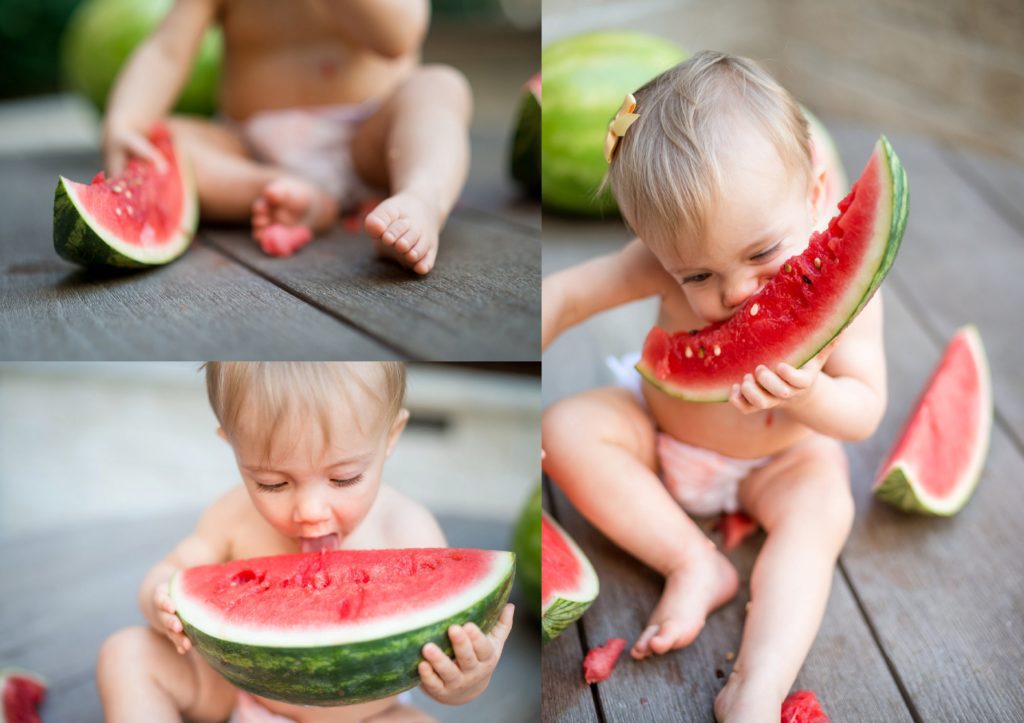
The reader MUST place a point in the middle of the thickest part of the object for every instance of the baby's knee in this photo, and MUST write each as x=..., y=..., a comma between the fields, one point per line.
x=127, y=646
x=445, y=84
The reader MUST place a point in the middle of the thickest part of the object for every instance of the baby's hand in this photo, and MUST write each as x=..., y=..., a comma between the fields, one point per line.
x=765, y=389
x=459, y=681
x=120, y=143
x=171, y=623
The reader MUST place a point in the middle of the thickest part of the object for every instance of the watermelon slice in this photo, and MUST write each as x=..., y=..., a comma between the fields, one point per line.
x=144, y=217
x=568, y=582
x=812, y=298
x=802, y=706
x=336, y=627
x=22, y=693
x=600, y=661
x=937, y=462
x=735, y=528
x=524, y=151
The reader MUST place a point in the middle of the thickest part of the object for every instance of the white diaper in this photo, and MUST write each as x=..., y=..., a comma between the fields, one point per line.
x=704, y=482
x=315, y=143
x=250, y=710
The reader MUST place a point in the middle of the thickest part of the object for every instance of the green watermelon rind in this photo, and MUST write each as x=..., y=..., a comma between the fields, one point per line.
x=78, y=240
x=524, y=152
x=566, y=607
x=526, y=543
x=343, y=674
x=898, y=484
x=898, y=209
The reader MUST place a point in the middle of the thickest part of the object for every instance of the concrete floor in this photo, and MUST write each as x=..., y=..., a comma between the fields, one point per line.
x=83, y=441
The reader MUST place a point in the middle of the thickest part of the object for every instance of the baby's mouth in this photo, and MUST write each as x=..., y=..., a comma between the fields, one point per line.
x=331, y=541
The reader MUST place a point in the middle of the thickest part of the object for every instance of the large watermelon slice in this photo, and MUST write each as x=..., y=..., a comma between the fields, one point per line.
x=937, y=461
x=526, y=543
x=21, y=693
x=145, y=217
x=568, y=581
x=336, y=627
x=812, y=298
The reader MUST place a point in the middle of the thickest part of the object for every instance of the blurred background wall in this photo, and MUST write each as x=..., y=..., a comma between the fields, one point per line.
x=953, y=69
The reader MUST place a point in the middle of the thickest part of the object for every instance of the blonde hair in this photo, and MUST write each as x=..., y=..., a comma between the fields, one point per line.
x=271, y=391
x=665, y=173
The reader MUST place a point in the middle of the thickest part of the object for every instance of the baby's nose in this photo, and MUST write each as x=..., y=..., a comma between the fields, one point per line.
x=737, y=291
x=310, y=509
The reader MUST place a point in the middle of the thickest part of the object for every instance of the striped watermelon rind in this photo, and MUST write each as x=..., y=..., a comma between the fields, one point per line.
x=80, y=238
x=564, y=606
x=899, y=481
x=701, y=382
x=343, y=668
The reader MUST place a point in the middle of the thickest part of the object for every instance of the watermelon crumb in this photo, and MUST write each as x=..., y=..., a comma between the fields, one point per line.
x=600, y=661
x=802, y=706
x=735, y=527
x=280, y=240
x=21, y=692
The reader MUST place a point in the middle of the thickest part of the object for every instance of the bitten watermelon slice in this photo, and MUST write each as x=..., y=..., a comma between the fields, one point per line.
x=336, y=627
x=144, y=217
x=937, y=462
x=812, y=298
x=568, y=582
x=21, y=693
x=802, y=706
x=600, y=661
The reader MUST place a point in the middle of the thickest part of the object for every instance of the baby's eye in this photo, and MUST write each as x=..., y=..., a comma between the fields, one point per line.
x=696, y=278
x=761, y=255
x=263, y=487
x=347, y=482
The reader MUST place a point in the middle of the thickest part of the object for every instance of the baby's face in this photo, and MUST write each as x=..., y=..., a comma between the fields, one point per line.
x=316, y=491
x=765, y=215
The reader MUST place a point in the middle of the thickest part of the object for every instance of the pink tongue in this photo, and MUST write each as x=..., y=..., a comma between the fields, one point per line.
x=315, y=544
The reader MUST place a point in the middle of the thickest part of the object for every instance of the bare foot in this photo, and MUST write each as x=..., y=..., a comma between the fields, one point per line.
x=405, y=228
x=400, y=713
x=707, y=581
x=744, y=700
x=291, y=203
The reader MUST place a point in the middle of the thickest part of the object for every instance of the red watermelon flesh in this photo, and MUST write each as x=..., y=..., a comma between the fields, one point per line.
x=813, y=297
x=735, y=527
x=802, y=706
x=600, y=661
x=337, y=595
x=22, y=693
x=938, y=458
x=143, y=217
x=568, y=582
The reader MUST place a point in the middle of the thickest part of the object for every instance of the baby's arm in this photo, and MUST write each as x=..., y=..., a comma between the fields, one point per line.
x=206, y=545
x=149, y=83
x=847, y=400
x=391, y=28
x=448, y=681
x=577, y=293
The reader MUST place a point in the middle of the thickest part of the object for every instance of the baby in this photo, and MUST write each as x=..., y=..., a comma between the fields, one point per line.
x=310, y=441
x=321, y=102
x=716, y=175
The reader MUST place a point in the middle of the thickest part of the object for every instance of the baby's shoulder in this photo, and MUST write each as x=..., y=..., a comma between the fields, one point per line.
x=402, y=521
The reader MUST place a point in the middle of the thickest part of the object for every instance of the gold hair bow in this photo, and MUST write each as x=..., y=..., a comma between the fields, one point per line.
x=619, y=125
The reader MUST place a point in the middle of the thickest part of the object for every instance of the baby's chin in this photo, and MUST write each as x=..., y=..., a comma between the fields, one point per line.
x=331, y=541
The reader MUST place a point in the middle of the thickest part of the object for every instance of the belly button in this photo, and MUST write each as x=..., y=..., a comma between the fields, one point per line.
x=328, y=68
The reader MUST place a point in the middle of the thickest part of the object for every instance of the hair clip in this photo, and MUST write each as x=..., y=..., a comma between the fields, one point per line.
x=619, y=125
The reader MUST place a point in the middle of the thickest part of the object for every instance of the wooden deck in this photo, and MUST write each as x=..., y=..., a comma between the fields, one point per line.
x=333, y=300
x=926, y=617
x=73, y=591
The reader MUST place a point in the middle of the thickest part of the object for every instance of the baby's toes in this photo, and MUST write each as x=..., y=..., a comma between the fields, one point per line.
x=412, y=246
x=424, y=265
x=395, y=233
x=379, y=219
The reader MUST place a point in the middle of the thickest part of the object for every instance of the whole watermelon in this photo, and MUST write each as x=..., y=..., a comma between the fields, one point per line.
x=526, y=545
x=585, y=79
x=103, y=33
x=524, y=150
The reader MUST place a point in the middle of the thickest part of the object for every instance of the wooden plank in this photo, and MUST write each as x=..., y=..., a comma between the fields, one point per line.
x=566, y=696
x=201, y=306
x=480, y=303
x=55, y=632
x=943, y=595
x=960, y=261
x=1000, y=181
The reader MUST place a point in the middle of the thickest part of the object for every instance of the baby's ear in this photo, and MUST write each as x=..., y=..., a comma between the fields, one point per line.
x=222, y=434
x=396, y=429
x=817, y=193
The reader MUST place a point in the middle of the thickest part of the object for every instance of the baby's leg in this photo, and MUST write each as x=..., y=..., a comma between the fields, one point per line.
x=142, y=678
x=234, y=187
x=417, y=145
x=803, y=501
x=600, y=448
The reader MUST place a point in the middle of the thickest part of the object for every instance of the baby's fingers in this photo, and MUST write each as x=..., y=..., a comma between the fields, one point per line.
x=772, y=384
x=465, y=652
x=499, y=633
x=483, y=647
x=800, y=378
x=444, y=666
